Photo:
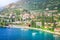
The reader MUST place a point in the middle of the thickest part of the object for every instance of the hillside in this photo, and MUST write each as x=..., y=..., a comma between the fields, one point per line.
x=36, y=4
x=33, y=5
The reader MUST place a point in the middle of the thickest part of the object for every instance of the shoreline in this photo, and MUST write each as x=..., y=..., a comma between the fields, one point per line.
x=26, y=27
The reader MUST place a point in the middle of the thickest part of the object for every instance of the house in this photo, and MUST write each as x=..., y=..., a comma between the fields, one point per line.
x=57, y=30
x=25, y=16
x=32, y=16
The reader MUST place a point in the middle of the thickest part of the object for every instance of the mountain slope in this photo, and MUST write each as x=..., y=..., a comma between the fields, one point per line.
x=33, y=5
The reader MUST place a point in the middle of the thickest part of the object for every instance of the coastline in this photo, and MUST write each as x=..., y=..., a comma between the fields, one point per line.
x=26, y=27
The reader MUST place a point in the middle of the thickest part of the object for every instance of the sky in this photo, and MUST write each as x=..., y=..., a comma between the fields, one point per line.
x=6, y=2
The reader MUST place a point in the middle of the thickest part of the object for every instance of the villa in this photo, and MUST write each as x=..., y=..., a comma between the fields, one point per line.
x=57, y=30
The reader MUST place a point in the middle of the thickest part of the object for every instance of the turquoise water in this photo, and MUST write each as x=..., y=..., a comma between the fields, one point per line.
x=25, y=34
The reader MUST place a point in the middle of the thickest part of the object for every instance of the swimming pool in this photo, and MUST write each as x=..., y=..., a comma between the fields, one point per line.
x=25, y=34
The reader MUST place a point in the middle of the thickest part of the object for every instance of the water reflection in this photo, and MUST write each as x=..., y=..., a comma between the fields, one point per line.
x=57, y=37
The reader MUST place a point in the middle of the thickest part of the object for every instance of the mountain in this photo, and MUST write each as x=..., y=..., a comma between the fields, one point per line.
x=1, y=8
x=38, y=4
x=33, y=5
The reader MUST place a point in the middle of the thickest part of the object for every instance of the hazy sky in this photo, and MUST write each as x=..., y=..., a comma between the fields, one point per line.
x=5, y=2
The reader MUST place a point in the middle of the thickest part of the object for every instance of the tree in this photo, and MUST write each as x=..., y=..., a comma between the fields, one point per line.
x=33, y=24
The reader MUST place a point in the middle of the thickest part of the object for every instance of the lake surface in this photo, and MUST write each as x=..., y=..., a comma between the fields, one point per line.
x=25, y=34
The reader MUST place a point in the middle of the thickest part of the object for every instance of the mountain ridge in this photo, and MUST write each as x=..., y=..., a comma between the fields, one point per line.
x=34, y=4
